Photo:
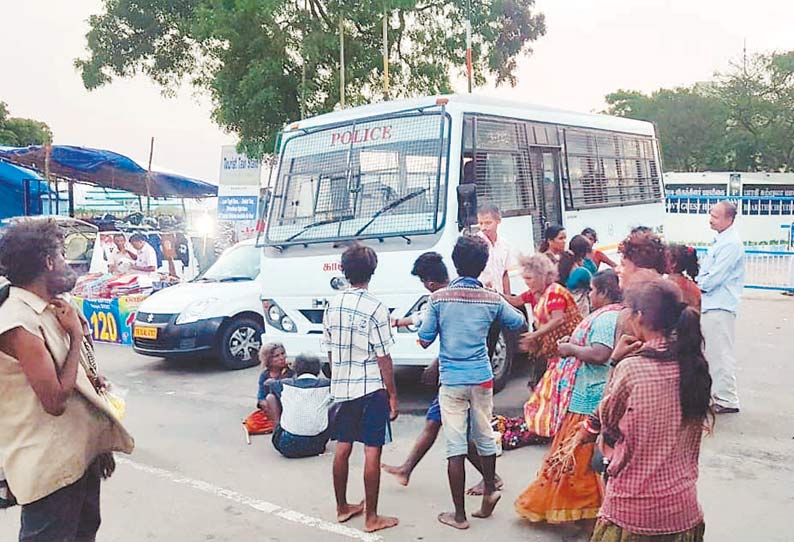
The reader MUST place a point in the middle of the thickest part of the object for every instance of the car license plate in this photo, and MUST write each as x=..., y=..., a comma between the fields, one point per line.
x=144, y=332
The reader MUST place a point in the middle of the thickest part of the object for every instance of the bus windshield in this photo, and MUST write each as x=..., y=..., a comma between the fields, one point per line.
x=370, y=178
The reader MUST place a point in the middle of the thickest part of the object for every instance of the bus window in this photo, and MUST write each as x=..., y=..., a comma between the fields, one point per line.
x=501, y=169
x=605, y=169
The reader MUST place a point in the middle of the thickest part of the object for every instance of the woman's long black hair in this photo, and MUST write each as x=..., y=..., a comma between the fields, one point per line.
x=684, y=259
x=661, y=309
x=551, y=232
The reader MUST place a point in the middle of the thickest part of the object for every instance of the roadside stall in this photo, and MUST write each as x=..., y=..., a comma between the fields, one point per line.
x=123, y=260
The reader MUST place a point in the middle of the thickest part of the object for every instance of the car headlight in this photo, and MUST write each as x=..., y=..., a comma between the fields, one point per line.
x=195, y=311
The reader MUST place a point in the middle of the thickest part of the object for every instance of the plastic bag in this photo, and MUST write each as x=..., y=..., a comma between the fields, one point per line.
x=115, y=398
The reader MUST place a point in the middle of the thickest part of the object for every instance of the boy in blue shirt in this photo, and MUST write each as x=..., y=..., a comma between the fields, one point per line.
x=460, y=316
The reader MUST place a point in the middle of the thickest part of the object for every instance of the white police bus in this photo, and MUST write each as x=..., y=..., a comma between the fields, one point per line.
x=395, y=175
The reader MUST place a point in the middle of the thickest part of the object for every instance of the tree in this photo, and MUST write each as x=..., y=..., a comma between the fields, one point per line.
x=759, y=96
x=18, y=132
x=268, y=62
x=743, y=120
x=691, y=124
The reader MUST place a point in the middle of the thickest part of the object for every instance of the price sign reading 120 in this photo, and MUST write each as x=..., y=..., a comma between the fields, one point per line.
x=104, y=326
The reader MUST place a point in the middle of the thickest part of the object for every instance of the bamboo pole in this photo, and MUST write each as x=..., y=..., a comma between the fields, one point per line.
x=148, y=173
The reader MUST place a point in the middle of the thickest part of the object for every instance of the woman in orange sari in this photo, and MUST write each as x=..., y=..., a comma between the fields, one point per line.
x=571, y=491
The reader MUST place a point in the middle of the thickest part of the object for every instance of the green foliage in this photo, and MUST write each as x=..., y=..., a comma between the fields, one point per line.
x=691, y=123
x=268, y=62
x=17, y=132
x=743, y=120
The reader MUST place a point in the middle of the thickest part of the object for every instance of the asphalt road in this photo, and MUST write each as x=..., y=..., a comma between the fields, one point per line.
x=193, y=477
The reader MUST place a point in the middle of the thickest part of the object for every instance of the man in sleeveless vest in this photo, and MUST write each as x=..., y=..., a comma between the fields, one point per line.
x=57, y=431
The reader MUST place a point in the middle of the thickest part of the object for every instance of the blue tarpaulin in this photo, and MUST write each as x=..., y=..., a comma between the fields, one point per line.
x=107, y=169
x=12, y=185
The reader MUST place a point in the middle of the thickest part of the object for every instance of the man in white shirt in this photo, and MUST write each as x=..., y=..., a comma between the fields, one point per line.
x=120, y=260
x=495, y=276
x=146, y=257
x=299, y=408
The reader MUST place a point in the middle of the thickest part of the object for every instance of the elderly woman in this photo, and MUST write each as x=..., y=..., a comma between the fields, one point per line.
x=570, y=492
x=553, y=306
x=273, y=358
x=556, y=316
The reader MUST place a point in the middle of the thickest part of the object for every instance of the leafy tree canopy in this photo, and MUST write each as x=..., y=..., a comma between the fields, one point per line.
x=742, y=120
x=17, y=132
x=267, y=62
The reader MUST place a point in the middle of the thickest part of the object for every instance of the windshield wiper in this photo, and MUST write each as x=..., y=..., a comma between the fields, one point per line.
x=315, y=225
x=388, y=207
x=234, y=278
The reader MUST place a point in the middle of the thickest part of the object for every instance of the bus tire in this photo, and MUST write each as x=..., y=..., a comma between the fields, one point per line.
x=501, y=352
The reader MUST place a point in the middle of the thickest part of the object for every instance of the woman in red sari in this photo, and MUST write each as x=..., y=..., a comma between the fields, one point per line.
x=553, y=307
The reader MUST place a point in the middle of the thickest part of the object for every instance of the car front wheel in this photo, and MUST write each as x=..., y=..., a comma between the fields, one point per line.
x=239, y=343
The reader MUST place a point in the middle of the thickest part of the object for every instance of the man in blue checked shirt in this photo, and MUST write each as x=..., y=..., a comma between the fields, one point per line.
x=460, y=316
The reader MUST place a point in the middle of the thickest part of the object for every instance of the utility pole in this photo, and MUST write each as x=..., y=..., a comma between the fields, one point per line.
x=469, y=67
x=303, y=59
x=342, y=62
x=385, y=51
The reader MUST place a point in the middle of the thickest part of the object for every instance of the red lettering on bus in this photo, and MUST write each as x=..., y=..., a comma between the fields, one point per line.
x=365, y=135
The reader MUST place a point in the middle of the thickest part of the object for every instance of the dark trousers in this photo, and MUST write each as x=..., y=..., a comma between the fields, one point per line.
x=71, y=514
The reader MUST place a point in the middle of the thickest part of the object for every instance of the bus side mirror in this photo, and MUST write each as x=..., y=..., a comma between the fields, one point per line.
x=467, y=205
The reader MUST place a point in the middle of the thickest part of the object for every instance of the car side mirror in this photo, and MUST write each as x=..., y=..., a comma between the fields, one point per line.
x=467, y=205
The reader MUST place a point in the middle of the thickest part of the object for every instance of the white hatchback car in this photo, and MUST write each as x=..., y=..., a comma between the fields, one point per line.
x=218, y=312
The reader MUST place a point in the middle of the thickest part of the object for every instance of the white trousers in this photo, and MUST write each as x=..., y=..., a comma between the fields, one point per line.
x=719, y=331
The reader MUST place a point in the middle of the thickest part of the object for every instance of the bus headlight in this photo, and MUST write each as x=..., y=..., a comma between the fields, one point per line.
x=417, y=309
x=287, y=324
x=277, y=318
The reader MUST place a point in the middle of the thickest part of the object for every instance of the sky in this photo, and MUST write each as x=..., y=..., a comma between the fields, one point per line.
x=591, y=48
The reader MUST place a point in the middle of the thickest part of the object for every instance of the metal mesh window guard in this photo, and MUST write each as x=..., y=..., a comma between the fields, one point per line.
x=370, y=178
x=610, y=169
x=502, y=169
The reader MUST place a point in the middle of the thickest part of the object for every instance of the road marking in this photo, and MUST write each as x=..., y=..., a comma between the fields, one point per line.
x=258, y=505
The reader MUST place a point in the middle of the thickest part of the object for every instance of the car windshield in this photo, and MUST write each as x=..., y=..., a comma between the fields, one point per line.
x=240, y=262
x=371, y=178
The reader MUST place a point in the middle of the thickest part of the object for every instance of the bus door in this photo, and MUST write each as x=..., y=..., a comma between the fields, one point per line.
x=545, y=168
